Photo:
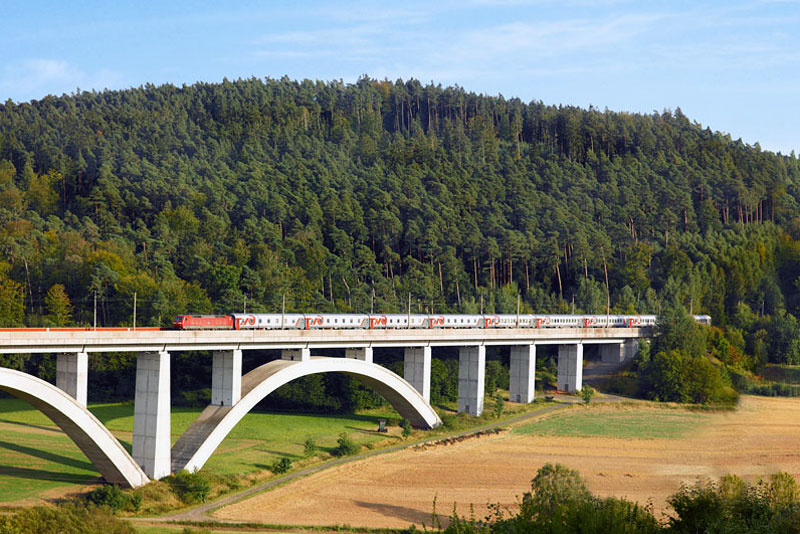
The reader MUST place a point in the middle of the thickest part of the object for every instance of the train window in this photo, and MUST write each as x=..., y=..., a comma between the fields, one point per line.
x=336, y=321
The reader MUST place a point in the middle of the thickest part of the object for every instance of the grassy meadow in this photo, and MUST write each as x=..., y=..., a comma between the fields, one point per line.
x=38, y=460
x=624, y=422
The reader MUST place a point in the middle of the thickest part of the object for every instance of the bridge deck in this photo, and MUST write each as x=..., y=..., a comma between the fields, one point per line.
x=23, y=341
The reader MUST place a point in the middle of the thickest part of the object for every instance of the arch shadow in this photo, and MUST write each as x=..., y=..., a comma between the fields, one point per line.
x=203, y=437
x=107, y=455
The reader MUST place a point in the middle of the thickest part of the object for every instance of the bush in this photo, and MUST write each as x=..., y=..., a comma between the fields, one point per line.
x=116, y=499
x=190, y=487
x=68, y=518
x=346, y=446
x=679, y=377
x=733, y=505
x=281, y=466
x=309, y=447
x=499, y=406
x=406, y=426
x=587, y=392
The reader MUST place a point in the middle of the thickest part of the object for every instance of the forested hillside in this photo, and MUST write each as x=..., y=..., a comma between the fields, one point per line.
x=201, y=198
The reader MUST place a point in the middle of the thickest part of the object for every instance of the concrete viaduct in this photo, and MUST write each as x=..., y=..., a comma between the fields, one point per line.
x=234, y=395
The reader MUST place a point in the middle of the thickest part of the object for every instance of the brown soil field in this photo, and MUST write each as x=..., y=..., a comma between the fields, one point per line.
x=395, y=490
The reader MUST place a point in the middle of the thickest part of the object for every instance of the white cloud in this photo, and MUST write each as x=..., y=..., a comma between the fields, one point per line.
x=38, y=77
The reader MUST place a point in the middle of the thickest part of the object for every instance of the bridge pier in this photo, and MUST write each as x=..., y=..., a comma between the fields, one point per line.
x=570, y=367
x=522, y=373
x=612, y=353
x=471, y=376
x=72, y=375
x=226, y=377
x=630, y=348
x=296, y=355
x=151, y=419
x=417, y=369
x=364, y=354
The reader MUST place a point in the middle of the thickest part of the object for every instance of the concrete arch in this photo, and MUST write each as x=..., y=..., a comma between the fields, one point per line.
x=203, y=437
x=82, y=427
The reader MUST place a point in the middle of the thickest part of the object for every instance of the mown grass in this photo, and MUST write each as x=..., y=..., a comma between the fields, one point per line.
x=37, y=459
x=641, y=423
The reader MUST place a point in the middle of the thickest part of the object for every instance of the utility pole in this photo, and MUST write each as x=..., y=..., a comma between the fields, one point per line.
x=95, y=310
x=372, y=303
x=134, y=310
x=283, y=312
x=518, y=301
x=481, y=304
x=408, y=324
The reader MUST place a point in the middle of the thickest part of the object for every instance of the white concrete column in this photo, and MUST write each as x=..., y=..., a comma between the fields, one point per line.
x=612, y=353
x=522, y=373
x=570, y=367
x=471, y=379
x=226, y=377
x=362, y=353
x=630, y=349
x=72, y=375
x=417, y=369
x=297, y=355
x=151, y=419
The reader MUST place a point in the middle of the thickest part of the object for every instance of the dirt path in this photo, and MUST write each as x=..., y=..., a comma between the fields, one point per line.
x=395, y=490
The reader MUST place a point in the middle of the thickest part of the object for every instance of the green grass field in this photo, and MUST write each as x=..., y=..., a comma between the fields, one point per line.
x=628, y=423
x=37, y=460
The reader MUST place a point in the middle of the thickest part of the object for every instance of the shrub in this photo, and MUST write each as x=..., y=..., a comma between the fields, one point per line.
x=116, y=499
x=587, y=392
x=346, y=446
x=676, y=376
x=406, y=428
x=499, y=406
x=190, y=487
x=67, y=518
x=281, y=466
x=309, y=447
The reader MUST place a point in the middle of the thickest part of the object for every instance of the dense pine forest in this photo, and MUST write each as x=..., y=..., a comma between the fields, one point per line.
x=332, y=196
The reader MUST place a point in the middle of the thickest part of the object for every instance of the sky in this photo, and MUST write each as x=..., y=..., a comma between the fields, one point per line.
x=731, y=65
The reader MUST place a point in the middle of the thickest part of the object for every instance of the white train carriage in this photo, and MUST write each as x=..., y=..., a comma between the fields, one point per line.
x=269, y=321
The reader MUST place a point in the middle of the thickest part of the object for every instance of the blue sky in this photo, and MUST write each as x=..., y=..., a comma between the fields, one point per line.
x=731, y=65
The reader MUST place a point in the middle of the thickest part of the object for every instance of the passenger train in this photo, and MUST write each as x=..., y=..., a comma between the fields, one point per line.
x=356, y=321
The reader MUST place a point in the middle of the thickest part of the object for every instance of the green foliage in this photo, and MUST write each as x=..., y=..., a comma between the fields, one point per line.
x=330, y=193
x=67, y=518
x=406, y=426
x=191, y=487
x=116, y=499
x=309, y=447
x=281, y=465
x=499, y=406
x=560, y=503
x=587, y=392
x=733, y=505
x=676, y=330
x=675, y=376
x=58, y=305
x=345, y=446
x=496, y=376
x=553, y=487
x=12, y=310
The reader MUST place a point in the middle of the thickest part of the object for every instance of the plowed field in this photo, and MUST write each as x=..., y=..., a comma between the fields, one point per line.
x=641, y=453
